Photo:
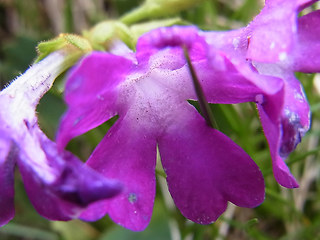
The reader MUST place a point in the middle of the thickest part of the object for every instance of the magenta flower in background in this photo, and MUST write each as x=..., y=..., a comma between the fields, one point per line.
x=278, y=43
x=58, y=184
x=149, y=91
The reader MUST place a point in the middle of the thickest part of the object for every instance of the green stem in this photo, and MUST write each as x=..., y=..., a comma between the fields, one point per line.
x=134, y=16
x=204, y=105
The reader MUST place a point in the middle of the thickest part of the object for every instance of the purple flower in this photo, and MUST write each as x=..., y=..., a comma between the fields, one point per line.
x=278, y=43
x=58, y=184
x=149, y=91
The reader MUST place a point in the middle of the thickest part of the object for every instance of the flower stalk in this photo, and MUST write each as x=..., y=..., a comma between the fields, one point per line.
x=204, y=105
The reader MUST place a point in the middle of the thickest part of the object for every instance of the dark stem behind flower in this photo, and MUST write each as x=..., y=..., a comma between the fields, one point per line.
x=204, y=105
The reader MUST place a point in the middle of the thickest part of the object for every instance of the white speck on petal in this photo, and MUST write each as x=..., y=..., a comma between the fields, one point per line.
x=298, y=96
x=294, y=28
x=132, y=198
x=100, y=97
x=283, y=56
x=236, y=42
x=272, y=45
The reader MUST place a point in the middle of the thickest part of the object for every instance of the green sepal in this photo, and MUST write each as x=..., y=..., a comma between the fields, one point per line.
x=102, y=35
x=70, y=43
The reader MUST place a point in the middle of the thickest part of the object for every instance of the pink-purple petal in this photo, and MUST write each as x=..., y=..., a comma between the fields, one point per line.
x=285, y=120
x=205, y=169
x=271, y=33
x=89, y=103
x=62, y=186
x=78, y=120
x=171, y=38
x=128, y=154
x=233, y=44
x=229, y=82
x=307, y=51
x=7, y=164
x=295, y=119
x=272, y=130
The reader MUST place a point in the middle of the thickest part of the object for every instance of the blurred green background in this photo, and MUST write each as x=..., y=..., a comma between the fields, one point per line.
x=286, y=214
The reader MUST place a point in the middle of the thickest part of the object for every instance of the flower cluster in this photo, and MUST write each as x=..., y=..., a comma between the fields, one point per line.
x=149, y=90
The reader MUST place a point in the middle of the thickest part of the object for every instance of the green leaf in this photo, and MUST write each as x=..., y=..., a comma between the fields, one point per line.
x=25, y=232
x=75, y=229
